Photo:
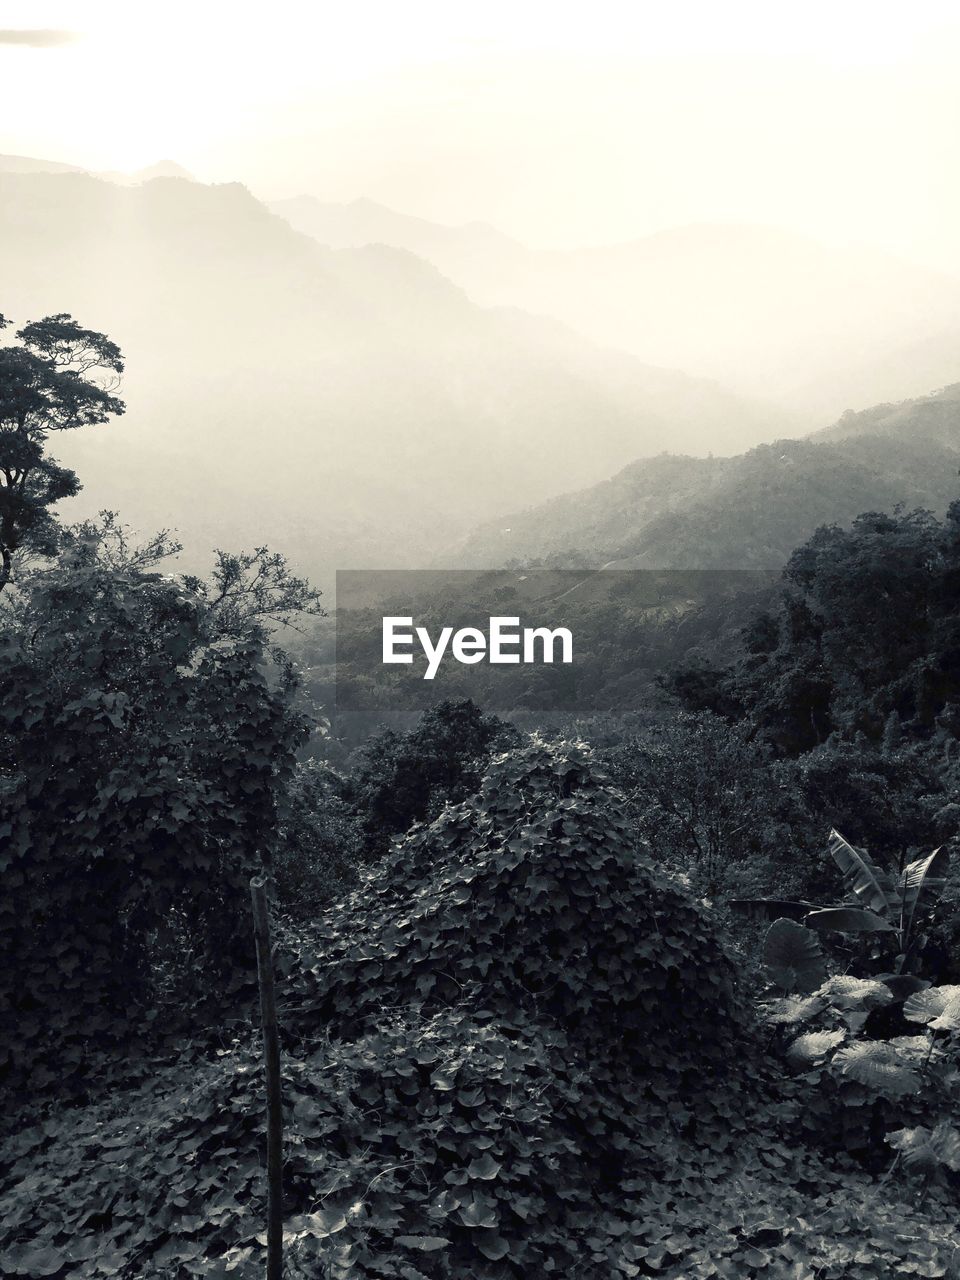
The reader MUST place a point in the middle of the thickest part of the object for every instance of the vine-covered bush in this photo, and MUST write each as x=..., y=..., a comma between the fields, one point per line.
x=320, y=842
x=141, y=762
x=514, y=1051
x=531, y=897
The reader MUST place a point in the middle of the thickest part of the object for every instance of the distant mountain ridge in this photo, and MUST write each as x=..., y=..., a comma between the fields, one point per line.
x=771, y=313
x=353, y=405
x=33, y=164
x=749, y=511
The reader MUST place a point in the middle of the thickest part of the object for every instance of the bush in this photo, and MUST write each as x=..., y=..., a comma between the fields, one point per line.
x=402, y=778
x=320, y=842
x=141, y=765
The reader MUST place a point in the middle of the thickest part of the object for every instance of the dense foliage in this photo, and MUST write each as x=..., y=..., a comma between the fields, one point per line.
x=401, y=778
x=515, y=1050
x=142, y=760
x=524, y=1032
x=56, y=377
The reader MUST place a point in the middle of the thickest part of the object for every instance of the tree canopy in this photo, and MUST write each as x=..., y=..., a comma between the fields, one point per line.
x=56, y=377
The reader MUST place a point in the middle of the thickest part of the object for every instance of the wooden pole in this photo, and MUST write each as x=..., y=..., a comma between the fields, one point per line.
x=271, y=1058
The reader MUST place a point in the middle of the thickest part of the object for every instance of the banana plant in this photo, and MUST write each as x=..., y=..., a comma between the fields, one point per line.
x=877, y=901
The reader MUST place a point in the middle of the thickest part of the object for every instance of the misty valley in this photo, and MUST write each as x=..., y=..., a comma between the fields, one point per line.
x=479, y=719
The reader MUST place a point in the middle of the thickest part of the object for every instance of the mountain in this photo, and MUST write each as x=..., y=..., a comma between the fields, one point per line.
x=162, y=169
x=772, y=314
x=352, y=406
x=30, y=164
x=933, y=418
x=749, y=511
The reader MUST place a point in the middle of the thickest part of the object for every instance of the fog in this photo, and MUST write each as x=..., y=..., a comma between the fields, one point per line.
x=563, y=124
x=403, y=270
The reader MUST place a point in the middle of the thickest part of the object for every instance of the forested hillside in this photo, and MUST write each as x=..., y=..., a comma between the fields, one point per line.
x=742, y=512
x=673, y=992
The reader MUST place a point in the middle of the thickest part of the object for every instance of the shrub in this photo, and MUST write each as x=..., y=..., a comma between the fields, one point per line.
x=141, y=767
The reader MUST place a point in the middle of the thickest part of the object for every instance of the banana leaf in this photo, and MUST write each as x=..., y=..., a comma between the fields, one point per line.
x=921, y=880
x=862, y=878
x=848, y=920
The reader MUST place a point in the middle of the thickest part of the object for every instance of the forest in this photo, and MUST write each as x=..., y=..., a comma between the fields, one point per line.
x=671, y=990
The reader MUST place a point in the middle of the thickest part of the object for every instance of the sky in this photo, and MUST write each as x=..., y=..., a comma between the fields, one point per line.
x=561, y=123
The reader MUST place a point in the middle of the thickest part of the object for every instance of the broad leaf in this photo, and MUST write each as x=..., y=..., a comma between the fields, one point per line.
x=861, y=877
x=425, y=1243
x=925, y=1150
x=858, y=994
x=949, y=1019
x=880, y=1067
x=792, y=955
x=921, y=880
x=793, y=1009
x=924, y=1006
x=813, y=1045
x=848, y=920
x=903, y=985
x=916, y=1048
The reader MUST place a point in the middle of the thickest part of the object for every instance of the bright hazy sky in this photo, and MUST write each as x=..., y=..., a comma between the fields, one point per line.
x=560, y=122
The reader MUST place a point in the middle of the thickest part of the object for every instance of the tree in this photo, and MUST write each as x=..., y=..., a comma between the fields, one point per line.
x=57, y=377
x=402, y=778
x=713, y=805
x=867, y=626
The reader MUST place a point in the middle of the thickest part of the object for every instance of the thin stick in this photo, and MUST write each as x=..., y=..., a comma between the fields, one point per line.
x=271, y=1058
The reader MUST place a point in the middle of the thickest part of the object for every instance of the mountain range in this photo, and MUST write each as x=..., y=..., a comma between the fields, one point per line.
x=812, y=328
x=748, y=511
x=348, y=402
x=350, y=405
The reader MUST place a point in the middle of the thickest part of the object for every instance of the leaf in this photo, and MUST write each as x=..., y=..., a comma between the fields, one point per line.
x=861, y=877
x=920, y=879
x=949, y=1019
x=323, y=1223
x=814, y=1045
x=475, y=1214
x=878, y=1066
x=34, y=1262
x=848, y=920
x=793, y=956
x=924, y=1006
x=915, y=1048
x=903, y=985
x=485, y=1167
x=793, y=1009
x=924, y=1150
x=846, y=992
x=492, y=1247
x=427, y=1243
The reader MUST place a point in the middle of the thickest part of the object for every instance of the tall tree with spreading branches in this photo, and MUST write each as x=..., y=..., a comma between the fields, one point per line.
x=56, y=377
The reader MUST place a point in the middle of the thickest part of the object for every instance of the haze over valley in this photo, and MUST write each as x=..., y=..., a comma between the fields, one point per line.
x=411, y=286
x=367, y=394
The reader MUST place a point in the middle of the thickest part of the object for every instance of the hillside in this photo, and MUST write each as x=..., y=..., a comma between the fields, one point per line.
x=743, y=512
x=773, y=314
x=355, y=402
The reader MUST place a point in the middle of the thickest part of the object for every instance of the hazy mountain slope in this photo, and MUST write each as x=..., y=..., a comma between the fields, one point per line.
x=935, y=417
x=352, y=405
x=744, y=512
x=31, y=164
x=773, y=314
